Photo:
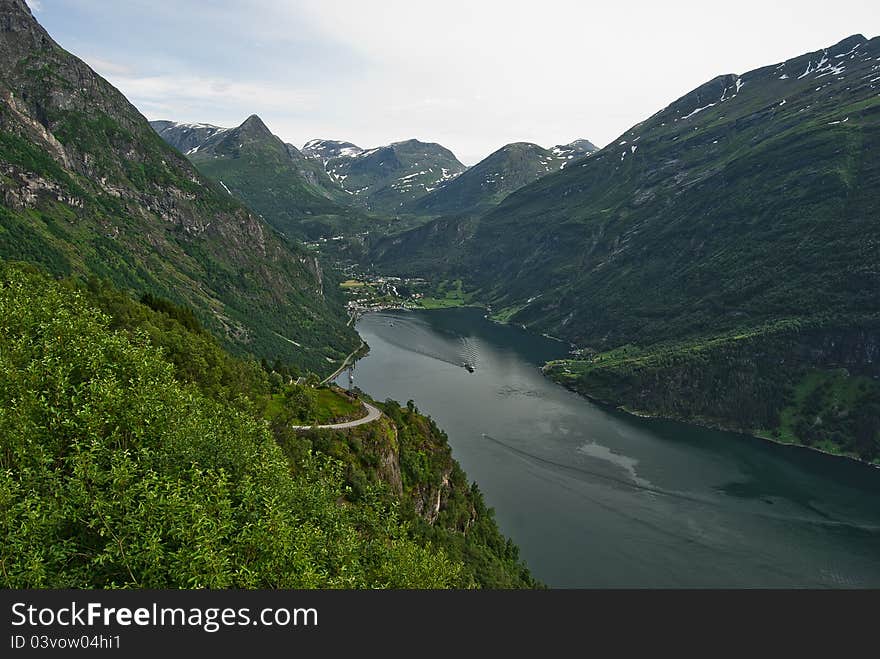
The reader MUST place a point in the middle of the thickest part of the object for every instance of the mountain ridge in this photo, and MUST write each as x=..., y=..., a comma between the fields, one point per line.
x=673, y=124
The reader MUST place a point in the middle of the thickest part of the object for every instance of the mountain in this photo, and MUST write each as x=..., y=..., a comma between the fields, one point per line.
x=389, y=178
x=185, y=137
x=291, y=192
x=89, y=189
x=488, y=182
x=683, y=219
x=709, y=257
x=576, y=149
x=326, y=150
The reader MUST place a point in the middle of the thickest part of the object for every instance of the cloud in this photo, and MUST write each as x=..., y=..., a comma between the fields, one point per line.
x=470, y=75
x=192, y=93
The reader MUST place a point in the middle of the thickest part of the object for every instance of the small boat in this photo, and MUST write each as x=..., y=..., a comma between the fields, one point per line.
x=469, y=367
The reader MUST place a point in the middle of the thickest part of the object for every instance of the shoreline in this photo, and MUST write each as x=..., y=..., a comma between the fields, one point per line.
x=351, y=355
x=711, y=425
x=641, y=414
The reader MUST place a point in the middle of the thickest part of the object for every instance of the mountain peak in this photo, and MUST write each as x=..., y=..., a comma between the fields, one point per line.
x=415, y=143
x=847, y=45
x=21, y=33
x=186, y=137
x=14, y=6
x=507, y=169
x=254, y=123
x=582, y=144
x=519, y=145
x=326, y=150
x=851, y=40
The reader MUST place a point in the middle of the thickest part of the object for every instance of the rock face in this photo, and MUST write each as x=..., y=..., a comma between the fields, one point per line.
x=88, y=188
x=416, y=461
x=430, y=499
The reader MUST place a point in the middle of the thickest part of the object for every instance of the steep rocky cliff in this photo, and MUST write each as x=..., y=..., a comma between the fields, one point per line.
x=88, y=188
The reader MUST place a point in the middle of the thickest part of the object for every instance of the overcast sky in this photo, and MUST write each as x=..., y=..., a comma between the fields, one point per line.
x=470, y=74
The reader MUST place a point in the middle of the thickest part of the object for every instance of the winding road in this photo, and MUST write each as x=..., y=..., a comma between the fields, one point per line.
x=373, y=414
x=345, y=362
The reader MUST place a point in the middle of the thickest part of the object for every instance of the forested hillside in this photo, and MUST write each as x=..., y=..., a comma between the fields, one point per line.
x=137, y=453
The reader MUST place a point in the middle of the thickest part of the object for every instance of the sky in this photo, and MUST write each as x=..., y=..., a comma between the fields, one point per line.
x=472, y=75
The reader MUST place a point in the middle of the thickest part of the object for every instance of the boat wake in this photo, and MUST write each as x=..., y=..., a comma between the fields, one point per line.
x=641, y=485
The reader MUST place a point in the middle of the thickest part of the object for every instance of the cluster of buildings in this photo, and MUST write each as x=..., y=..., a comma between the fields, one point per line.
x=379, y=292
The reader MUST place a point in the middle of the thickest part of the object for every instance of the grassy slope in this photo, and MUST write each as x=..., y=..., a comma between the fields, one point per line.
x=448, y=295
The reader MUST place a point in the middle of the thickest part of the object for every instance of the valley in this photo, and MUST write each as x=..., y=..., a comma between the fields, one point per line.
x=709, y=261
x=302, y=356
x=369, y=293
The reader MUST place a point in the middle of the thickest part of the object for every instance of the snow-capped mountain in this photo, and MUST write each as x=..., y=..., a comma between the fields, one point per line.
x=292, y=192
x=326, y=150
x=183, y=136
x=388, y=178
x=493, y=178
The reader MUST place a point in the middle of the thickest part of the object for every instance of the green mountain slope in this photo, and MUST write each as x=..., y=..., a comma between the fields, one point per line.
x=89, y=188
x=137, y=453
x=489, y=181
x=746, y=200
x=749, y=202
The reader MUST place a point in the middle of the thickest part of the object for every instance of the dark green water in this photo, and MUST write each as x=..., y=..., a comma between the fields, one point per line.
x=597, y=498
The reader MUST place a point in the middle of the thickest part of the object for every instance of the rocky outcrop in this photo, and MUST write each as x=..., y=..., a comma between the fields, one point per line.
x=428, y=498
